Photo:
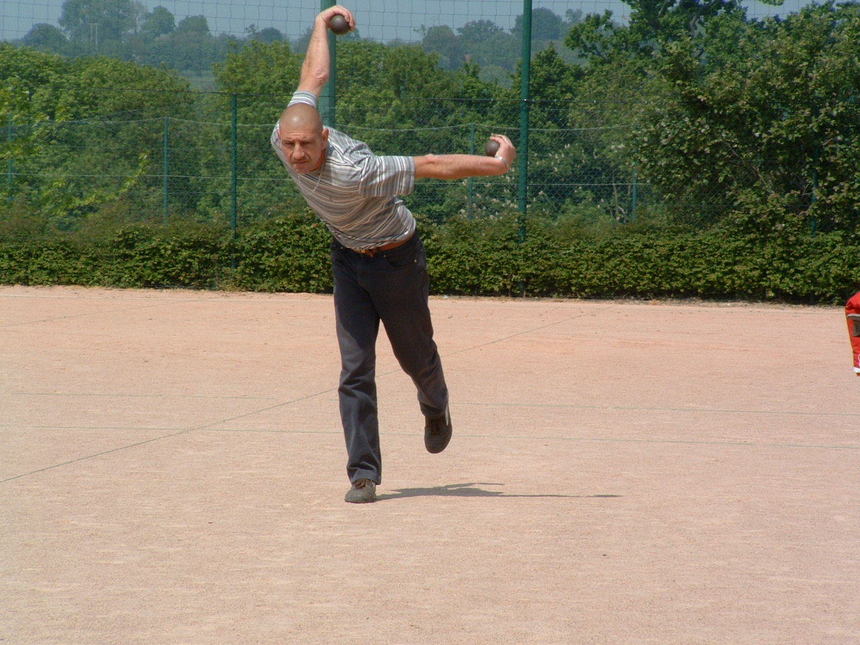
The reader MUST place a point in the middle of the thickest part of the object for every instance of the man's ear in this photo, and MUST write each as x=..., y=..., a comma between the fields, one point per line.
x=325, y=135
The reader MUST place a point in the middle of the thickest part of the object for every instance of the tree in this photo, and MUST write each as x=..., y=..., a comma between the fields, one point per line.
x=33, y=81
x=103, y=86
x=98, y=21
x=267, y=72
x=443, y=41
x=46, y=38
x=598, y=38
x=546, y=25
x=158, y=22
x=264, y=75
x=191, y=48
x=478, y=31
x=193, y=25
x=267, y=35
x=487, y=44
x=779, y=123
x=82, y=140
x=652, y=24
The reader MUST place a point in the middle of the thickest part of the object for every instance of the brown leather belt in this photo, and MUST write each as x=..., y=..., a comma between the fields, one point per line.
x=381, y=249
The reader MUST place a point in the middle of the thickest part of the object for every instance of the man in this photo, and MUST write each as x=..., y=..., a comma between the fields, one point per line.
x=379, y=265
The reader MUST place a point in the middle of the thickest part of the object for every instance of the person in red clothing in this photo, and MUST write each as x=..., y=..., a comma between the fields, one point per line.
x=852, y=314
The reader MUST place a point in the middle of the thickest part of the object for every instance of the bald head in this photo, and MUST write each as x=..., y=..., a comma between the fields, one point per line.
x=303, y=138
x=301, y=117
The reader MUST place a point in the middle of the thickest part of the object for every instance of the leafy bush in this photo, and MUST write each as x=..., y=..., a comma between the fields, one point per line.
x=284, y=254
x=148, y=256
x=135, y=256
x=500, y=256
x=485, y=257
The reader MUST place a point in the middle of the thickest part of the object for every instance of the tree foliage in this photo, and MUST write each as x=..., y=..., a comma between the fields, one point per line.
x=690, y=113
x=126, y=29
x=98, y=21
x=779, y=118
x=652, y=25
x=156, y=23
x=77, y=141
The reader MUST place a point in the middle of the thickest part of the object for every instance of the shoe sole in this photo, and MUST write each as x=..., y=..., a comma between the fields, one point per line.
x=360, y=500
x=436, y=444
x=435, y=450
x=364, y=495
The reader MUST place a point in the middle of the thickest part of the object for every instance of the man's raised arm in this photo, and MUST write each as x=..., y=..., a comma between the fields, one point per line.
x=315, y=68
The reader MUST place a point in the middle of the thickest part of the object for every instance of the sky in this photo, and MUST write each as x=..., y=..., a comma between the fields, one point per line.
x=378, y=19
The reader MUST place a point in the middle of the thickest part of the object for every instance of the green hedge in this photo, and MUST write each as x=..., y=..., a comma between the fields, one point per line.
x=469, y=257
x=138, y=256
x=286, y=254
x=486, y=258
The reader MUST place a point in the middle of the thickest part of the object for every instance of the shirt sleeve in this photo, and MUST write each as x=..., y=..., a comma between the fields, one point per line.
x=387, y=176
x=302, y=96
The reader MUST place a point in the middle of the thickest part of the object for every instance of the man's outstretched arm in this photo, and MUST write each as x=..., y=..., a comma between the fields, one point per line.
x=462, y=166
x=315, y=68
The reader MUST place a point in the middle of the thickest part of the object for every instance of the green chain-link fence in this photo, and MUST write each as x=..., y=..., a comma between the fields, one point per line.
x=219, y=168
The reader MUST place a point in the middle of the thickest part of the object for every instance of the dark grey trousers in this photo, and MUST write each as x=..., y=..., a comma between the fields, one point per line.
x=392, y=287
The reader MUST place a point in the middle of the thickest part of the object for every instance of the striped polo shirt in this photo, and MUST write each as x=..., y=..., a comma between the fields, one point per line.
x=356, y=193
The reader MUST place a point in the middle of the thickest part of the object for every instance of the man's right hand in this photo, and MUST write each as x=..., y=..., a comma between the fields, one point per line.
x=325, y=15
x=506, y=153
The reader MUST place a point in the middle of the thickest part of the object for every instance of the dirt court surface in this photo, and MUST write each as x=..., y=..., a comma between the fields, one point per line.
x=172, y=470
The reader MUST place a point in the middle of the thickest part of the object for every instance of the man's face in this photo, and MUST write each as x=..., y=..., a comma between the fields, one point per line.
x=304, y=148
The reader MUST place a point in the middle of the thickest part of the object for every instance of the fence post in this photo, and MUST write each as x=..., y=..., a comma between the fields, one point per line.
x=234, y=163
x=328, y=99
x=10, y=164
x=470, y=182
x=165, y=167
x=523, y=152
x=634, y=196
x=816, y=160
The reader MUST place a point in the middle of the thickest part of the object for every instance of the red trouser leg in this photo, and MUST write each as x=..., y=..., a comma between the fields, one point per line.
x=852, y=315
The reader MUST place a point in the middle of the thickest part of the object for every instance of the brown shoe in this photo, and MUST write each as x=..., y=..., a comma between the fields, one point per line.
x=437, y=432
x=362, y=492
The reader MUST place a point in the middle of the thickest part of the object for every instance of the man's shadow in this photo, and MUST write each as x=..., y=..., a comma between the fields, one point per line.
x=470, y=490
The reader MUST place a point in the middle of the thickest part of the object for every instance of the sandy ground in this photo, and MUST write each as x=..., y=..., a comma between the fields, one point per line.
x=172, y=470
